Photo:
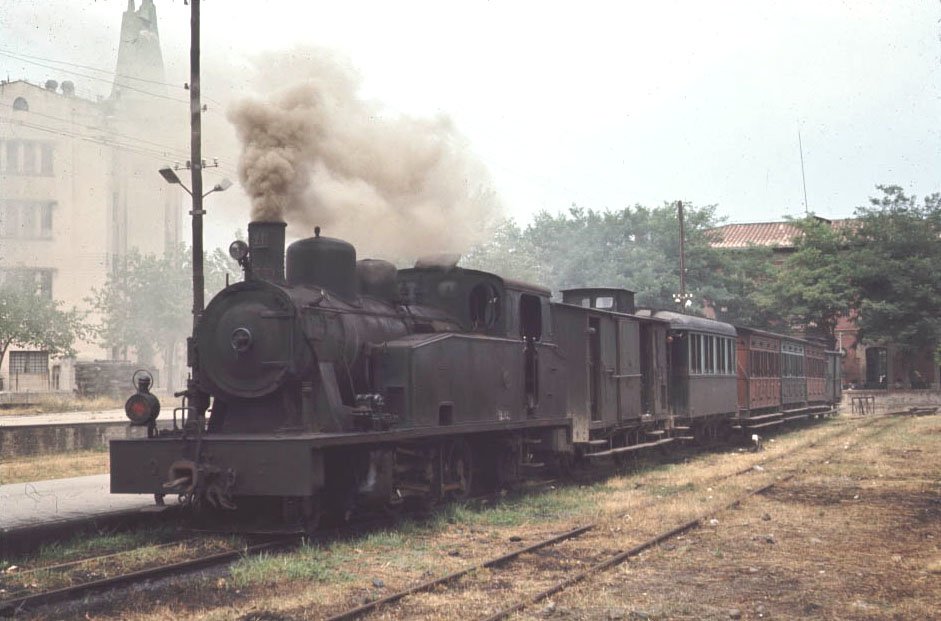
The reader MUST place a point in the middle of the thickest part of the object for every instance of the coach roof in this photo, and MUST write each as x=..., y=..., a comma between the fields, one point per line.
x=688, y=322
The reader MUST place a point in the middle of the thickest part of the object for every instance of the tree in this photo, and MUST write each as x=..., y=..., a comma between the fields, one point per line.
x=895, y=269
x=636, y=248
x=29, y=319
x=146, y=302
x=811, y=289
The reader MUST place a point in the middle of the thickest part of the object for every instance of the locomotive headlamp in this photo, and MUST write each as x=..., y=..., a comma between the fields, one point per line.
x=238, y=250
x=142, y=408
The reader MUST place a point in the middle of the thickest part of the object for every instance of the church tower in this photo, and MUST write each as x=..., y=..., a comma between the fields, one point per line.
x=140, y=62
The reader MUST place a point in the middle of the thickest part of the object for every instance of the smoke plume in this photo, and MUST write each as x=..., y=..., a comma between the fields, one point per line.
x=317, y=153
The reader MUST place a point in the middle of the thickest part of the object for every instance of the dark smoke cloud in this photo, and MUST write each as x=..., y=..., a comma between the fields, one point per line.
x=315, y=152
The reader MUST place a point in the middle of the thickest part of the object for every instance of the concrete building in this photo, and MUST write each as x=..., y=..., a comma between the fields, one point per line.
x=79, y=187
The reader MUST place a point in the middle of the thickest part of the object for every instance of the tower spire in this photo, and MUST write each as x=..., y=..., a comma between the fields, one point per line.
x=140, y=61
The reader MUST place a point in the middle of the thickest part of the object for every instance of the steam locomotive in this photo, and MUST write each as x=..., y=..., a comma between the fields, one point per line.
x=331, y=385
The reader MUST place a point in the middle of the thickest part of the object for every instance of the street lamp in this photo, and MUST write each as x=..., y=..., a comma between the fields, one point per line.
x=171, y=177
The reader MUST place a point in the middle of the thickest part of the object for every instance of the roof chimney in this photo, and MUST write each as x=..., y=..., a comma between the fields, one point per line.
x=68, y=88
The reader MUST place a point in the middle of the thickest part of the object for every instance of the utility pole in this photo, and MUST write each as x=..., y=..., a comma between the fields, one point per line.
x=197, y=399
x=196, y=159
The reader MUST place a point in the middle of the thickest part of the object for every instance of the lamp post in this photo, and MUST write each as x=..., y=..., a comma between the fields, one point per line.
x=171, y=177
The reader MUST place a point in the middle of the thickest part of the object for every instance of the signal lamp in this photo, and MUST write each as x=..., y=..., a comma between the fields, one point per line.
x=142, y=408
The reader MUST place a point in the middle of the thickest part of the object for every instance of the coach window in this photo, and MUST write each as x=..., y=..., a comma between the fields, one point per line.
x=604, y=302
x=710, y=366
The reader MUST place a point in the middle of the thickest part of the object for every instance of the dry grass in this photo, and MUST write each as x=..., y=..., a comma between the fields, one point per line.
x=54, y=466
x=103, y=556
x=814, y=521
x=66, y=403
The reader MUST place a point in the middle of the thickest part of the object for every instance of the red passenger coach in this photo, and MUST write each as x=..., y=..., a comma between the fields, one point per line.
x=759, y=373
x=815, y=365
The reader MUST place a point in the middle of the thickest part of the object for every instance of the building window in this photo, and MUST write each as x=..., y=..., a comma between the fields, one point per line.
x=29, y=362
x=35, y=281
x=26, y=219
x=46, y=160
x=13, y=157
x=20, y=104
x=29, y=158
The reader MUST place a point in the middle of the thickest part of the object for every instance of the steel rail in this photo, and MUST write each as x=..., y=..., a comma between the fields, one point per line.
x=619, y=558
x=359, y=611
x=424, y=586
x=101, y=557
x=16, y=605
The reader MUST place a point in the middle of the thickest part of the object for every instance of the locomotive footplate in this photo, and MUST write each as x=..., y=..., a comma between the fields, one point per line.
x=269, y=464
x=256, y=466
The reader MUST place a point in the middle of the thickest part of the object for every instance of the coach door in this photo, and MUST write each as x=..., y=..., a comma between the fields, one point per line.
x=628, y=375
x=610, y=396
x=530, y=313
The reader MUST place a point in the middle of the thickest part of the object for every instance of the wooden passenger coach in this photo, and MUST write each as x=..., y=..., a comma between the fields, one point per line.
x=620, y=401
x=815, y=366
x=759, y=372
x=793, y=377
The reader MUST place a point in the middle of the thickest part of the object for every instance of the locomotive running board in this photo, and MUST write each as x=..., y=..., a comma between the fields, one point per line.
x=627, y=449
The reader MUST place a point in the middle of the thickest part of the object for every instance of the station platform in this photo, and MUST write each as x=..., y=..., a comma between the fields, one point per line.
x=24, y=505
x=63, y=418
x=26, y=435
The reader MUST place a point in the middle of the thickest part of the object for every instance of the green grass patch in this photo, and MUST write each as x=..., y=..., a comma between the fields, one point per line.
x=308, y=563
x=540, y=506
x=92, y=544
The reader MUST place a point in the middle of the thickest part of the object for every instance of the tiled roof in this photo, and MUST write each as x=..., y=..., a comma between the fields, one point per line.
x=768, y=234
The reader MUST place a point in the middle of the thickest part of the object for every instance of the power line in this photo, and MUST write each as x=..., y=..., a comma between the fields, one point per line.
x=102, y=128
x=112, y=74
x=93, y=77
x=160, y=156
x=115, y=74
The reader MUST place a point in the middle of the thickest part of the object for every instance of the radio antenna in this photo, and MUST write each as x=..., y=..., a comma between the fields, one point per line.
x=800, y=146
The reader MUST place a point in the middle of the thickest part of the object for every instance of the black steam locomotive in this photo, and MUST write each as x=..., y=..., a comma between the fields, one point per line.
x=337, y=385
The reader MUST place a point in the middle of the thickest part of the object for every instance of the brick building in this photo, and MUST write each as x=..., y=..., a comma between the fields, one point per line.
x=872, y=366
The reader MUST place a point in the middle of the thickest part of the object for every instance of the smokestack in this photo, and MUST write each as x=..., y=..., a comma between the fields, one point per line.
x=266, y=249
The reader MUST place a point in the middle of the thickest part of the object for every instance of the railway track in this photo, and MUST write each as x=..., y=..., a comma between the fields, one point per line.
x=15, y=605
x=587, y=566
x=32, y=601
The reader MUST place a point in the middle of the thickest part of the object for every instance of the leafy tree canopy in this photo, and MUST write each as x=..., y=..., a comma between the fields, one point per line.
x=29, y=319
x=636, y=248
x=811, y=288
x=896, y=269
x=146, y=303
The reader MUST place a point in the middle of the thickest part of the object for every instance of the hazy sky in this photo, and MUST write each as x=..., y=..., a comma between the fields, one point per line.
x=603, y=104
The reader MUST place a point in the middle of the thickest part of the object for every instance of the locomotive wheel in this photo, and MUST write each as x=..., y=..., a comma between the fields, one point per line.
x=457, y=466
x=304, y=512
x=311, y=513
